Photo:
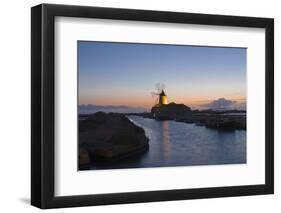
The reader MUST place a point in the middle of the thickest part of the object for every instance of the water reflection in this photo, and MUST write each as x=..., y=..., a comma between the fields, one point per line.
x=165, y=139
x=179, y=144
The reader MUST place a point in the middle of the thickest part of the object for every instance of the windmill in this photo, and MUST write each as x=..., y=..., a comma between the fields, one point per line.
x=159, y=97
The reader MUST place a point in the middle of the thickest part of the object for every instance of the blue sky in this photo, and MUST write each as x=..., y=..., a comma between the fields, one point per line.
x=126, y=73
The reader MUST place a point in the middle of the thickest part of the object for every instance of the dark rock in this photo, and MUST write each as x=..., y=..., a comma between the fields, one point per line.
x=111, y=137
x=84, y=159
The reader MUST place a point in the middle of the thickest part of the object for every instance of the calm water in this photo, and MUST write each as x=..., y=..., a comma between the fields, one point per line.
x=179, y=144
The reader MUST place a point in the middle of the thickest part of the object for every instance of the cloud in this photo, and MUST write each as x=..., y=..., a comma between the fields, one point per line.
x=225, y=104
x=90, y=108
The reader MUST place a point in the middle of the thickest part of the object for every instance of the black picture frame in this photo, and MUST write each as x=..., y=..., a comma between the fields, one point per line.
x=43, y=117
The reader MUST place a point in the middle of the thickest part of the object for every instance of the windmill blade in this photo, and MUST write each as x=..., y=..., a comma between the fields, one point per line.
x=154, y=93
x=162, y=86
x=155, y=97
x=158, y=87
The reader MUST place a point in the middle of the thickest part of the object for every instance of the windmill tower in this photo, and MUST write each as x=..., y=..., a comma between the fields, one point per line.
x=160, y=97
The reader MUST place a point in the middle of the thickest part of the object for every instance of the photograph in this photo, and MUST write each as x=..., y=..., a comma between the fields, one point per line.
x=146, y=105
x=138, y=105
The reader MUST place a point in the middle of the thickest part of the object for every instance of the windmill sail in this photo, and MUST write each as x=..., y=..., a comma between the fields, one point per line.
x=160, y=97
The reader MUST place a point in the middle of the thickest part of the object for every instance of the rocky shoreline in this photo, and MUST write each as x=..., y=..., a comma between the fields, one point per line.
x=108, y=137
x=225, y=120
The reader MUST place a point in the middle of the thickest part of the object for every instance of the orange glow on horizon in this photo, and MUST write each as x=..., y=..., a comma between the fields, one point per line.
x=148, y=102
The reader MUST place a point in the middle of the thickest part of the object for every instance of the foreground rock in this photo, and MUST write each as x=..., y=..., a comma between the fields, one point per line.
x=108, y=138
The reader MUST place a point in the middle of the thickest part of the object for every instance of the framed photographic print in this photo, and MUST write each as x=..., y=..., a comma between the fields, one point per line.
x=139, y=106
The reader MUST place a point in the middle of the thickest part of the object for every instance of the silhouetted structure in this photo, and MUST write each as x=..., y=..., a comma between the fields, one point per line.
x=160, y=95
x=162, y=99
x=171, y=111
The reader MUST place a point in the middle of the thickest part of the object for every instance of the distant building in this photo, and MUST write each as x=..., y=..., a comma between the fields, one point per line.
x=162, y=98
x=171, y=111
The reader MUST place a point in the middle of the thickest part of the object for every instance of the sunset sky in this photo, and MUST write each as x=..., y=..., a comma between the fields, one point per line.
x=126, y=74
